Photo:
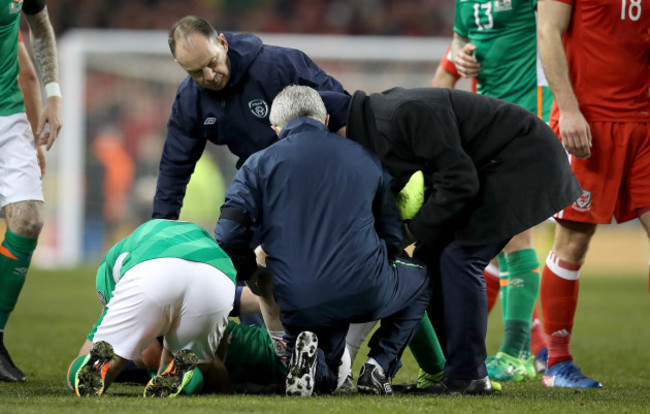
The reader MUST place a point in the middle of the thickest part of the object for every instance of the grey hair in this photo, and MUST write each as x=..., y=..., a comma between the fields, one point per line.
x=295, y=101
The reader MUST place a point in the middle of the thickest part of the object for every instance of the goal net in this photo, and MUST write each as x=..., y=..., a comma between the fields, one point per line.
x=118, y=88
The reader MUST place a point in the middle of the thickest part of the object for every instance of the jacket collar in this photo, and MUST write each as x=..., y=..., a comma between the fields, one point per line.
x=301, y=124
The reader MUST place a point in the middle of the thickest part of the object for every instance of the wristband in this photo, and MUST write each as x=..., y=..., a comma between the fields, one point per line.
x=53, y=89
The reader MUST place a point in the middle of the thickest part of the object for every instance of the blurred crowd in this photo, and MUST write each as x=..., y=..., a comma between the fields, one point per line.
x=362, y=17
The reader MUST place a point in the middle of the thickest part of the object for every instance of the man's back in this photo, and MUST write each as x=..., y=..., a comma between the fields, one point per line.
x=475, y=151
x=483, y=125
x=314, y=193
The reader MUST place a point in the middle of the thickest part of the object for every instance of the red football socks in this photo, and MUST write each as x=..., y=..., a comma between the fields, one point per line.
x=559, y=296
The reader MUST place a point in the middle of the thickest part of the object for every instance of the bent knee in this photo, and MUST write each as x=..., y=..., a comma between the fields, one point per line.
x=572, y=241
x=25, y=218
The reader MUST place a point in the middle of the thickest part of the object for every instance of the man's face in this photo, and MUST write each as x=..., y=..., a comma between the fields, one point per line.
x=205, y=60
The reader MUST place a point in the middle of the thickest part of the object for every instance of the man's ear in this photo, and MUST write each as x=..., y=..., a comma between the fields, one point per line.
x=327, y=119
x=277, y=129
x=223, y=41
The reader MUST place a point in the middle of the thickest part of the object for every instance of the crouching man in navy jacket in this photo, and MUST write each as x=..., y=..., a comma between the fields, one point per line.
x=331, y=231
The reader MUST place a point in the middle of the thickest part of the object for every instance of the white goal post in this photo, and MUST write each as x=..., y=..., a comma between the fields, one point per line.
x=359, y=62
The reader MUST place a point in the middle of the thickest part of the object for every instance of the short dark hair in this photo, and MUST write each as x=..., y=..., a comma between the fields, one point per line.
x=188, y=25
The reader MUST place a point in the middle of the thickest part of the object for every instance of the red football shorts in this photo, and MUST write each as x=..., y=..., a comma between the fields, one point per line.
x=616, y=178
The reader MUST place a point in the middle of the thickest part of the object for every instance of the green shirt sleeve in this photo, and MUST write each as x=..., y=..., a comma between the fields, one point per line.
x=459, y=21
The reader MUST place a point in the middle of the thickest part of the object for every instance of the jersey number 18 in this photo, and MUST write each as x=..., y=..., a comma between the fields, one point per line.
x=633, y=11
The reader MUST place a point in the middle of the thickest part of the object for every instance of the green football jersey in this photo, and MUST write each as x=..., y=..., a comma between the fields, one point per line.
x=153, y=240
x=11, y=98
x=505, y=35
x=250, y=357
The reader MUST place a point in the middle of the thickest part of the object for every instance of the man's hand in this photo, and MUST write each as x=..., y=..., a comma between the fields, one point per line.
x=52, y=115
x=575, y=133
x=261, y=282
x=465, y=62
x=41, y=158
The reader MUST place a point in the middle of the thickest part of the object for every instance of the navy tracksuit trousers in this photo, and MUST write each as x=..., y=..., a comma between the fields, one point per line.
x=399, y=317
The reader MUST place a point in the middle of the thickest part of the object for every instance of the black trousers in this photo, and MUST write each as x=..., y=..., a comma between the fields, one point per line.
x=458, y=309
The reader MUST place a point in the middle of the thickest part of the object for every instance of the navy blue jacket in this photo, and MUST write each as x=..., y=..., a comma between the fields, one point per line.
x=236, y=116
x=325, y=214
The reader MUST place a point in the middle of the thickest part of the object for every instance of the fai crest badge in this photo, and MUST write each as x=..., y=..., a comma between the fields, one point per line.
x=259, y=108
x=583, y=203
x=502, y=5
x=15, y=6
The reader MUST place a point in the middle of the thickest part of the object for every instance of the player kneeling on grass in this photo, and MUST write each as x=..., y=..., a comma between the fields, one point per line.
x=167, y=279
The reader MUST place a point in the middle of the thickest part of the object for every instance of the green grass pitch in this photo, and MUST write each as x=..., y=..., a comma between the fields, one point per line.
x=611, y=343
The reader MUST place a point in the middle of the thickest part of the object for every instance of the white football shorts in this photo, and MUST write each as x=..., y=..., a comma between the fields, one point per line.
x=20, y=175
x=186, y=302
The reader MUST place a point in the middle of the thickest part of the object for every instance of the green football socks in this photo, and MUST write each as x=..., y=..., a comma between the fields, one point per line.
x=522, y=292
x=426, y=349
x=15, y=257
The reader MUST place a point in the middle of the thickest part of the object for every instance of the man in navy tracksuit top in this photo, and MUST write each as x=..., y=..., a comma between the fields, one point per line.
x=330, y=228
x=225, y=100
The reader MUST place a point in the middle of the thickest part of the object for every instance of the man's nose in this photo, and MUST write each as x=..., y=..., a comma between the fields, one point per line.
x=208, y=74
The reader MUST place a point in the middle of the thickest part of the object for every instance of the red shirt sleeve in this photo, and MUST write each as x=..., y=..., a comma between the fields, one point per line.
x=447, y=64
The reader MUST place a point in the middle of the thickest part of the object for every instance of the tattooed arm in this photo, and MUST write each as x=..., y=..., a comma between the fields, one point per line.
x=44, y=48
x=28, y=81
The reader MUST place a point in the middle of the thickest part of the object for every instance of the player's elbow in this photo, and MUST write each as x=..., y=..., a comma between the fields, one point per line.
x=28, y=76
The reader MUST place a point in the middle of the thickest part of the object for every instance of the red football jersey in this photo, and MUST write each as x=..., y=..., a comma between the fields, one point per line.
x=607, y=45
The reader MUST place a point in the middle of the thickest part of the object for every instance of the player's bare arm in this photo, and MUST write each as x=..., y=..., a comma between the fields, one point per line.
x=443, y=79
x=462, y=52
x=553, y=21
x=44, y=48
x=28, y=80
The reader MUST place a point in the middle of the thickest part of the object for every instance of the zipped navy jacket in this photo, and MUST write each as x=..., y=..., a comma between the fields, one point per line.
x=236, y=116
x=325, y=214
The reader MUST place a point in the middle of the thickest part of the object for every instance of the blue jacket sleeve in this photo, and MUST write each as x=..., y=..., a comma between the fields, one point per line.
x=312, y=75
x=182, y=150
x=292, y=66
x=239, y=213
x=388, y=222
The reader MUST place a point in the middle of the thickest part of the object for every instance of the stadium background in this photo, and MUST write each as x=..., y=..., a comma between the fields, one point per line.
x=103, y=179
